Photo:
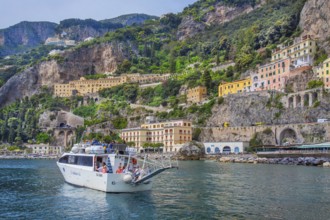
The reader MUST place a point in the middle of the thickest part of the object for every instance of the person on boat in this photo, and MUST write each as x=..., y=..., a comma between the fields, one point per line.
x=130, y=167
x=99, y=169
x=120, y=169
x=104, y=168
x=137, y=173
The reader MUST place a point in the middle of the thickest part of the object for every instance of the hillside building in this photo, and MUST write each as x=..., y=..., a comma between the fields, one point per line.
x=169, y=133
x=272, y=76
x=238, y=86
x=197, y=94
x=45, y=149
x=323, y=72
x=147, y=78
x=85, y=87
x=55, y=41
x=287, y=61
x=301, y=51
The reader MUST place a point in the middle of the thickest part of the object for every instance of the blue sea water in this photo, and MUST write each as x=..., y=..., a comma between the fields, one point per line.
x=35, y=189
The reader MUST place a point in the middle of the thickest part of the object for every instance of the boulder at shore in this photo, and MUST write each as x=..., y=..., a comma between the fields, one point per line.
x=191, y=151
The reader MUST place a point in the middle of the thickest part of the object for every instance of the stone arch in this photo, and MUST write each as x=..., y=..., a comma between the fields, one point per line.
x=62, y=124
x=208, y=150
x=290, y=102
x=306, y=100
x=69, y=138
x=217, y=150
x=314, y=97
x=298, y=101
x=288, y=136
x=61, y=138
x=236, y=150
x=226, y=150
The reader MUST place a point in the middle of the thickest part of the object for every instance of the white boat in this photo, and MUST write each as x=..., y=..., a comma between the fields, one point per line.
x=80, y=167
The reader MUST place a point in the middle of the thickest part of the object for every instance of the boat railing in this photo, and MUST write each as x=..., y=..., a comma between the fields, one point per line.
x=153, y=166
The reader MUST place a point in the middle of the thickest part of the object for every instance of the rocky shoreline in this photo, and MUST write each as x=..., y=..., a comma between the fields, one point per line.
x=252, y=159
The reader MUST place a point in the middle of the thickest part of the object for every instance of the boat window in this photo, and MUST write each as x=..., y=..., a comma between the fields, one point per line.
x=85, y=161
x=78, y=160
x=64, y=159
x=72, y=160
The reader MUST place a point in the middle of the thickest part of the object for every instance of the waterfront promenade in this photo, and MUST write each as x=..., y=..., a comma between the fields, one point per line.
x=32, y=157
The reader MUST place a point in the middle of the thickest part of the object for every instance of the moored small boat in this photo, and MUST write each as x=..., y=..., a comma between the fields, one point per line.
x=117, y=170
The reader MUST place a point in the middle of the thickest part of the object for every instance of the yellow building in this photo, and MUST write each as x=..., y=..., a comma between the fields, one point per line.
x=147, y=78
x=238, y=86
x=323, y=72
x=168, y=132
x=197, y=94
x=84, y=87
x=301, y=51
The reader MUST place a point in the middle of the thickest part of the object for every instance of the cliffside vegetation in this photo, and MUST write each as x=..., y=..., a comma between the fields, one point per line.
x=154, y=48
x=13, y=64
x=19, y=121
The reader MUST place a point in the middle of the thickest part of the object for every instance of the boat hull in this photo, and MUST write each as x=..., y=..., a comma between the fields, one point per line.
x=106, y=182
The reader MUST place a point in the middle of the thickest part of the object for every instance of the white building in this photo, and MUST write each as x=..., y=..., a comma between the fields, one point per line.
x=45, y=149
x=225, y=147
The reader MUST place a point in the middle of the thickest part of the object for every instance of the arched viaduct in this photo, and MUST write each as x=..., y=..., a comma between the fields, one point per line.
x=280, y=134
x=65, y=135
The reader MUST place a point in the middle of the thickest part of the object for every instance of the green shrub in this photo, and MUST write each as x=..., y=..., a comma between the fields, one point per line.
x=315, y=84
x=267, y=131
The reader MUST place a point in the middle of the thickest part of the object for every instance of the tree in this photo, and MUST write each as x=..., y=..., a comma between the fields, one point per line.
x=207, y=80
x=43, y=138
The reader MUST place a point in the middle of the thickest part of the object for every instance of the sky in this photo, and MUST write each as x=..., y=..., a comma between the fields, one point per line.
x=15, y=11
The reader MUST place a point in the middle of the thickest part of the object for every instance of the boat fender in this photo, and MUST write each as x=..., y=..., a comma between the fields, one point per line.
x=75, y=150
x=127, y=178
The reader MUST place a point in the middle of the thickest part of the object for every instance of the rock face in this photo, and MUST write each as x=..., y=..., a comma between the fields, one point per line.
x=130, y=19
x=315, y=20
x=78, y=30
x=189, y=28
x=220, y=15
x=242, y=111
x=191, y=151
x=299, y=81
x=250, y=108
x=26, y=34
x=75, y=64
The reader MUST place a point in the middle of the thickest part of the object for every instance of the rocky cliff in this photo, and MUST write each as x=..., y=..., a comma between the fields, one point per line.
x=251, y=108
x=219, y=14
x=315, y=20
x=73, y=65
x=130, y=19
x=78, y=30
x=246, y=111
x=26, y=35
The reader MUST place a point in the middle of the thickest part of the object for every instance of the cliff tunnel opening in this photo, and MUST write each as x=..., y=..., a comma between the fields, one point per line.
x=288, y=136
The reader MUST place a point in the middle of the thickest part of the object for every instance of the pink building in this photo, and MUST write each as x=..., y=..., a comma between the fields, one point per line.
x=272, y=75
